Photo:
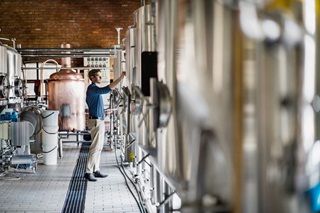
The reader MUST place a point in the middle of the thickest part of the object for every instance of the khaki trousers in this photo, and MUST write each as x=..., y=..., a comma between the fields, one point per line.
x=97, y=128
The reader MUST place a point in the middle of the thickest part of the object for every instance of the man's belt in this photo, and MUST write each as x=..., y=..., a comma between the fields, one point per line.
x=94, y=117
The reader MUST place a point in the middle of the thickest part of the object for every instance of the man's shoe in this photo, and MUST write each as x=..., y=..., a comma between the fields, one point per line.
x=98, y=174
x=90, y=177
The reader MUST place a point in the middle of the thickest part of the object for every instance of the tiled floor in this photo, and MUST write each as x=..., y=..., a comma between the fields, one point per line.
x=45, y=190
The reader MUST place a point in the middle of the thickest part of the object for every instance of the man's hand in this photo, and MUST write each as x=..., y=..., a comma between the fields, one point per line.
x=117, y=81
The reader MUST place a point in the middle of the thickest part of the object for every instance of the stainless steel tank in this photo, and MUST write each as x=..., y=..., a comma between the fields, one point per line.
x=131, y=80
x=11, y=71
x=130, y=56
x=194, y=150
x=4, y=90
x=3, y=60
x=119, y=66
x=308, y=163
x=14, y=70
x=243, y=82
x=18, y=65
x=173, y=153
x=66, y=93
x=19, y=85
x=279, y=76
x=145, y=47
x=145, y=37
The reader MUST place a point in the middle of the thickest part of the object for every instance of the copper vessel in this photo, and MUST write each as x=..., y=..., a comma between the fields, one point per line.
x=66, y=93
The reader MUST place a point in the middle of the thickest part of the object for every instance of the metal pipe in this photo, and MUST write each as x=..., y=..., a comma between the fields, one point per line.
x=76, y=141
x=167, y=199
x=139, y=93
x=54, y=68
x=134, y=20
x=118, y=30
x=124, y=42
x=74, y=55
x=72, y=134
x=11, y=39
x=67, y=49
x=41, y=71
x=143, y=159
x=126, y=91
x=25, y=78
x=5, y=39
x=69, y=52
x=111, y=120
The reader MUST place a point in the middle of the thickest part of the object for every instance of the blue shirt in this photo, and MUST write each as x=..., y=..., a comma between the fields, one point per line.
x=94, y=99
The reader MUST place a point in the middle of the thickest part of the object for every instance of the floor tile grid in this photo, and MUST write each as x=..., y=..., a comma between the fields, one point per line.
x=110, y=194
x=43, y=191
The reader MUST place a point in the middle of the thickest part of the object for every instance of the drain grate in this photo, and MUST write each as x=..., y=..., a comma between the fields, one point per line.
x=76, y=195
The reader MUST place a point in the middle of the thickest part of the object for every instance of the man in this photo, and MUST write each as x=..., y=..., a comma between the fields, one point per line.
x=96, y=121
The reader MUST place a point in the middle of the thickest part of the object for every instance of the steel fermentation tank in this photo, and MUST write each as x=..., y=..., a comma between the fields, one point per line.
x=15, y=88
x=3, y=60
x=3, y=73
x=145, y=43
x=194, y=148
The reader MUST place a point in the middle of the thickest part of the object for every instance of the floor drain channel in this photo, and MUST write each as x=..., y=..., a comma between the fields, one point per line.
x=76, y=195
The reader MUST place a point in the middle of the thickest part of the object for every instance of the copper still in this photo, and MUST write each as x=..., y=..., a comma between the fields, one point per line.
x=66, y=93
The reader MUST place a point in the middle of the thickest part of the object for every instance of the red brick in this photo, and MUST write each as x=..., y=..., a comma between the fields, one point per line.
x=87, y=24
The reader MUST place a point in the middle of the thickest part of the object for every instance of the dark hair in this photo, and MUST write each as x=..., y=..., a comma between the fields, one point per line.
x=93, y=72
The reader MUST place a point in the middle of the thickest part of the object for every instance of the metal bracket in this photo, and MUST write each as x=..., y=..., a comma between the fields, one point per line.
x=166, y=200
x=143, y=159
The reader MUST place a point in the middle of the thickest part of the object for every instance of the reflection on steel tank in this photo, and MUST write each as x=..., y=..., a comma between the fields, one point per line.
x=11, y=88
x=66, y=91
